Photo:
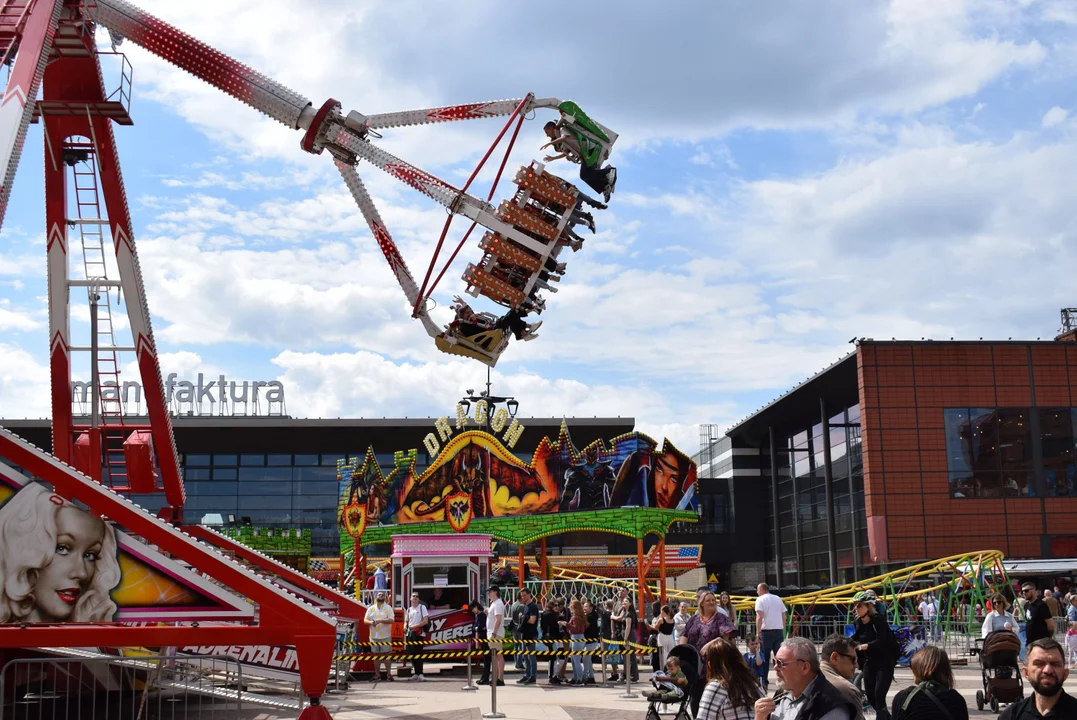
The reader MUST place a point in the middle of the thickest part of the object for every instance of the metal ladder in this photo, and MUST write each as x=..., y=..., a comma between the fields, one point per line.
x=13, y=14
x=91, y=222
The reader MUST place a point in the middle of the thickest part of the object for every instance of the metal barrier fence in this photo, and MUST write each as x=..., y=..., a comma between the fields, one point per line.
x=96, y=687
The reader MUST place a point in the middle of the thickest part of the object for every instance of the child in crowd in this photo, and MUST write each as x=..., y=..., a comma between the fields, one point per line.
x=1071, y=645
x=670, y=684
x=756, y=663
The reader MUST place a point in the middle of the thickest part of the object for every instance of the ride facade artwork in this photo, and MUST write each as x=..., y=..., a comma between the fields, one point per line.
x=52, y=49
x=475, y=480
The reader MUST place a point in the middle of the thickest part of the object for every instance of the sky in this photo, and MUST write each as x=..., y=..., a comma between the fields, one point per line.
x=791, y=175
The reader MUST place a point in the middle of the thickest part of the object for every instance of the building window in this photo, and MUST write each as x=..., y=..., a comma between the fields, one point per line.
x=972, y=449
x=1057, y=440
x=991, y=452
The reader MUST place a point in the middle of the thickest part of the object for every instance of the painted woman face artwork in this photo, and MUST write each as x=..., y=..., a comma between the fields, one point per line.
x=57, y=562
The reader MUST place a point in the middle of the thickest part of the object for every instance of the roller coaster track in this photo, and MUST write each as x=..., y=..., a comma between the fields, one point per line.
x=948, y=572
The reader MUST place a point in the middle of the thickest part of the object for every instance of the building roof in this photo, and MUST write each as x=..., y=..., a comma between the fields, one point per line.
x=799, y=407
x=212, y=434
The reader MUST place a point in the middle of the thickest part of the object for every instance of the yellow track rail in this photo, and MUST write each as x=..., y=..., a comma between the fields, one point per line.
x=966, y=567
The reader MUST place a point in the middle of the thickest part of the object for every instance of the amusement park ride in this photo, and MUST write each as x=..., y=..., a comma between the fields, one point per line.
x=50, y=46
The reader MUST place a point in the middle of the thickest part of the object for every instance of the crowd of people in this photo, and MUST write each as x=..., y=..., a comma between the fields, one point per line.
x=814, y=683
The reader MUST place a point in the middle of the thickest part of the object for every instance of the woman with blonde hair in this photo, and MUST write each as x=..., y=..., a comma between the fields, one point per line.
x=933, y=697
x=58, y=562
x=999, y=618
x=707, y=625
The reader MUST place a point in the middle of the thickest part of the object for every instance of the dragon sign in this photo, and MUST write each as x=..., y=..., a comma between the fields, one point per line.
x=475, y=476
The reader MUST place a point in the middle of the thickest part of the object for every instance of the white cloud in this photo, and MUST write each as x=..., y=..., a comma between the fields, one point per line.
x=24, y=388
x=709, y=67
x=14, y=321
x=941, y=239
x=365, y=384
x=1054, y=116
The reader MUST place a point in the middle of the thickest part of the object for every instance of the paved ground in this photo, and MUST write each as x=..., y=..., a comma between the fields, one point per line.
x=442, y=699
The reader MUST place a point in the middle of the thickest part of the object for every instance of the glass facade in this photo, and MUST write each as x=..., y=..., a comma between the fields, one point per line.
x=1011, y=452
x=275, y=490
x=802, y=509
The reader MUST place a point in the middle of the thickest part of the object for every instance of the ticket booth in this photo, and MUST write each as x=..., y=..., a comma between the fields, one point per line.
x=448, y=572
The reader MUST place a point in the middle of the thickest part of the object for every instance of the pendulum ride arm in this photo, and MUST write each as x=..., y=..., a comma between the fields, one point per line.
x=325, y=127
x=385, y=241
x=30, y=24
x=451, y=113
x=202, y=61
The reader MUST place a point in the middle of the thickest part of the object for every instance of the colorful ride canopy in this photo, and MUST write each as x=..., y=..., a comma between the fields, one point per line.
x=475, y=477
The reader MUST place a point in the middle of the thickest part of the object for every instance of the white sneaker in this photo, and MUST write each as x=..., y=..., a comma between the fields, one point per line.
x=422, y=678
x=575, y=245
x=534, y=326
x=529, y=337
x=561, y=267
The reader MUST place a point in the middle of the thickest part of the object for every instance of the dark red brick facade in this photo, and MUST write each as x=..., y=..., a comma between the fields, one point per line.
x=904, y=389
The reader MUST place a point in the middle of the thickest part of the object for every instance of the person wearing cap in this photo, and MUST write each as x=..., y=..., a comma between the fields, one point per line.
x=495, y=632
x=875, y=639
x=379, y=617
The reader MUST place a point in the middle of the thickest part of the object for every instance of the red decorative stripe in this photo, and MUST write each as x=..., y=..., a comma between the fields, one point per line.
x=469, y=111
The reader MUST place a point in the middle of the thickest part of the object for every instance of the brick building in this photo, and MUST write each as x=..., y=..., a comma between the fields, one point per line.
x=907, y=451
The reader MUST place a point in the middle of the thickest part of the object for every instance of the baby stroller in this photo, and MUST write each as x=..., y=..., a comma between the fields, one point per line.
x=1000, y=670
x=690, y=666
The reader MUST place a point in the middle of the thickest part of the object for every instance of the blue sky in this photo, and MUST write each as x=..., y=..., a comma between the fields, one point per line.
x=791, y=175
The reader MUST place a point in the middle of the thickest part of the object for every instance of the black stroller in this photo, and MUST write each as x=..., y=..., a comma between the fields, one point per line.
x=1000, y=670
x=691, y=667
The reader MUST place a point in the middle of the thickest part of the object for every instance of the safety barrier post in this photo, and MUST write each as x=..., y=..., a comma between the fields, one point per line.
x=628, y=673
x=470, y=685
x=493, y=688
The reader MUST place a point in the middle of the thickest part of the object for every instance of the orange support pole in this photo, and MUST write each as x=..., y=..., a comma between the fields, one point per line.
x=340, y=580
x=544, y=566
x=662, y=571
x=520, y=567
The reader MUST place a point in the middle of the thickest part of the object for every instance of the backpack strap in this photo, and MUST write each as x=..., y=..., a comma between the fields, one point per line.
x=930, y=696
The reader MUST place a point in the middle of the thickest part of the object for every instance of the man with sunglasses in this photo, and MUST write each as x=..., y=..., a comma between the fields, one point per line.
x=808, y=695
x=839, y=666
x=1039, y=623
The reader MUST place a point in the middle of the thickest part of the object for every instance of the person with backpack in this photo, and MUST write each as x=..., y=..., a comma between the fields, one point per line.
x=516, y=623
x=933, y=697
x=876, y=641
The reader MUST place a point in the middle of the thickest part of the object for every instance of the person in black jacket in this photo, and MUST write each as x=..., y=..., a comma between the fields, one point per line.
x=478, y=632
x=933, y=697
x=875, y=639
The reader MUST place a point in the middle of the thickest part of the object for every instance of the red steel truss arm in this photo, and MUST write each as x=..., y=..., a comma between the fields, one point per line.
x=385, y=242
x=347, y=607
x=451, y=113
x=324, y=127
x=202, y=61
x=33, y=32
x=282, y=618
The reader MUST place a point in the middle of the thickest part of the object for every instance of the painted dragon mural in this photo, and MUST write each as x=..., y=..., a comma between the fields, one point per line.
x=476, y=476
